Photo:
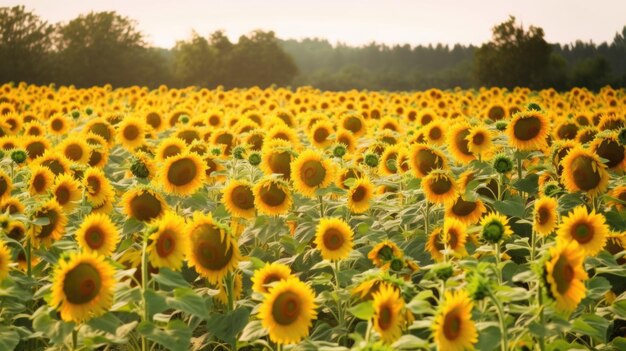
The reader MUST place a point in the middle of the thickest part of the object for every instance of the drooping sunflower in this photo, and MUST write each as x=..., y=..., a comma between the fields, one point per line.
x=97, y=233
x=310, y=171
x=213, y=251
x=82, y=287
x=495, y=227
x=454, y=329
x=528, y=130
x=360, y=195
x=565, y=275
x=131, y=133
x=66, y=191
x=170, y=147
x=143, y=204
x=439, y=187
x=48, y=233
x=168, y=242
x=384, y=252
x=97, y=186
x=588, y=229
x=467, y=212
x=610, y=149
x=5, y=261
x=435, y=244
x=424, y=159
x=333, y=238
x=583, y=171
x=458, y=143
x=388, y=317
x=238, y=198
x=183, y=174
x=545, y=215
x=268, y=274
x=288, y=311
x=6, y=186
x=272, y=196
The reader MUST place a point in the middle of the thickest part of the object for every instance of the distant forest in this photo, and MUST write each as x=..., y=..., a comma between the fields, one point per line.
x=105, y=47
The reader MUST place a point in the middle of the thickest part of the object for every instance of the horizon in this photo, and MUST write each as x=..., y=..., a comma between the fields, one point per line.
x=161, y=24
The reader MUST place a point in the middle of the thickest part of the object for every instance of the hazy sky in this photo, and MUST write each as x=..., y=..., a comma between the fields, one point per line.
x=353, y=21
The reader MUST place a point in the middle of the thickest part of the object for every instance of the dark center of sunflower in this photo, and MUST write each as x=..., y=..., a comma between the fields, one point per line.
x=385, y=317
x=463, y=208
x=102, y=130
x=527, y=128
x=272, y=195
x=171, y=150
x=182, y=172
x=256, y=142
x=427, y=160
x=154, y=120
x=584, y=172
x=560, y=154
x=35, y=149
x=189, y=136
x=478, y=139
x=568, y=131
x=333, y=239
x=320, y=134
x=496, y=113
x=214, y=120
x=131, y=132
x=563, y=274
x=543, y=215
x=55, y=166
x=82, y=284
x=243, y=197
x=587, y=136
x=612, y=151
x=47, y=229
x=74, y=152
x=582, y=232
x=280, y=163
x=62, y=194
x=95, y=158
x=452, y=325
x=210, y=250
x=57, y=125
x=270, y=278
x=4, y=186
x=359, y=194
x=16, y=233
x=461, y=142
x=94, y=238
x=39, y=183
x=312, y=173
x=166, y=243
x=211, y=166
x=441, y=185
x=93, y=185
x=145, y=207
x=453, y=238
x=286, y=308
x=353, y=124
x=435, y=133
x=225, y=139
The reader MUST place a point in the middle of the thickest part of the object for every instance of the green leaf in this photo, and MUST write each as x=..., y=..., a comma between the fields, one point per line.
x=364, y=310
x=591, y=325
x=227, y=326
x=176, y=336
x=529, y=184
x=170, y=279
x=597, y=287
x=253, y=331
x=619, y=308
x=619, y=343
x=155, y=301
x=513, y=207
x=188, y=301
x=488, y=338
x=41, y=221
x=9, y=338
x=409, y=342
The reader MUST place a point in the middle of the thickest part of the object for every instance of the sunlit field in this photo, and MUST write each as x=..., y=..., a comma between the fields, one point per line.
x=277, y=219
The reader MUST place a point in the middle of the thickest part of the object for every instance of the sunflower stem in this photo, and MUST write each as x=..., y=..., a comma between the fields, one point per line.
x=426, y=213
x=542, y=341
x=503, y=332
x=339, y=304
x=498, y=263
x=28, y=253
x=321, y=198
x=144, y=286
x=74, y=339
x=368, y=332
x=519, y=166
x=228, y=282
x=532, y=247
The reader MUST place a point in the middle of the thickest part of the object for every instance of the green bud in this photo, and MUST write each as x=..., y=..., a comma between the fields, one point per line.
x=392, y=164
x=501, y=125
x=75, y=114
x=371, y=159
x=444, y=271
x=397, y=264
x=533, y=106
x=385, y=253
x=89, y=111
x=238, y=152
x=493, y=232
x=339, y=150
x=621, y=137
x=139, y=169
x=184, y=119
x=254, y=158
x=478, y=287
x=216, y=151
x=502, y=164
x=1, y=154
x=19, y=156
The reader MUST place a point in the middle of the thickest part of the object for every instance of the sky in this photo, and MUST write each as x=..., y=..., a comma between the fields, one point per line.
x=353, y=22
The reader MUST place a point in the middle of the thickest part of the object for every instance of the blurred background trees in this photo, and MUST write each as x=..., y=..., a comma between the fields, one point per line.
x=105, y=47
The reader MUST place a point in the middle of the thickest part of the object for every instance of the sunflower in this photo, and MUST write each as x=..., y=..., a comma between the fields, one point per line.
x=99, y=150
x=276, y=158
x=439, y=187
x=435, y=245
x=424, y=159
x=288, y=311
x=170, y=147
x=618, y=193
x=355, y=123
x=36, y=146
x=528, y=130
x=434, y=133
x=225, y=139
x=467, y=212
x=347, y=174
x=222, y=295
x=102, y=128
x=268, y=274
x=565, y=275
x=609, y=148
x=388, y=317
x=56, y=162
x=59, y=124
x=346, y=138
x=588, y=229
x=131, y=133
x=360, y=195
x=388, y=164
x=458, y=142
x=238, y=198
x=583, y=171
x=54, y=230
x=479, y=141
x=143, y=204
x=320, y=132
x=183, y=174
x=309, y=172
x=495, y=227
x=97, y=233
x=66, y=191
x=12, y=205
x=212, y=249
x=272, y=196
x=82, y=287
x=97, y=186
x=75, y=149
x=333, y=238
x=545, y=215
x=455, y=236
x=168, y=242
x=41, y=179
x=384, y=252
x=6, y=185
x=284, y=133
x=5, y=261
x=154, y=119
x=453, y=328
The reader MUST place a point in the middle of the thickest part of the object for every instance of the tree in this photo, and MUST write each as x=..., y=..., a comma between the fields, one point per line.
x=24, y=46
x=513, y=57
x=194, y=62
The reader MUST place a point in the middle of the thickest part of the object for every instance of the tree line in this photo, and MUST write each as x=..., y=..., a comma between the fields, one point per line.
x=106, y=48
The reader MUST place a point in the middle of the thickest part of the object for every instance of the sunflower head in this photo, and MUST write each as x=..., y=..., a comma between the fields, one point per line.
x=545, y=216
x=565, y=275
x=453, y=328
x=528, y=130
x=360, y=195
x=588, y=229
x=384, y=252
x=495, y=227
x=238, y=199
x=333, y=238
x=183, y=174
x=388, y=313
x=583, y=171
x=144, y=204
x=439, y=187
x=97, y=233
x=424, y=159
x=168, y=244
x=269, y=274
x=272, y=196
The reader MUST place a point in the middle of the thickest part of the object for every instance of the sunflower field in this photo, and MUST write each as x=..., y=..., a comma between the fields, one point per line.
x=277, y=219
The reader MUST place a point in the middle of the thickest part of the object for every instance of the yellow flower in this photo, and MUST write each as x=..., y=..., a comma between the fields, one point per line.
x=183, y=174
x=384, y=252
x=170, y=147
x=467, y=212
x=288, y=311
x=46, y=234
x=583, y=171
x=388, y=316
x=82, y=287
x=66, y=191
x=97, y=187
x=268, y=274
x=565, y=275
x=222, y=295
x=439, y=187
x=458, y=144
x=272, y=197
x=545, y=216
x=5, y=261
x=276, y=158
x=528, y=130
x=97, y=233
x=495, y=227
x=309, y=172
x=131, y=133
x=479, y=141
x=143, y=204
x=424, y=159
x=6, y=185
x=75, y=149
x=333, y=238
x=238, y=198
x=360, y=195
x=588, y=229
x=168, y=242
x=41, y=179
x=454, y=329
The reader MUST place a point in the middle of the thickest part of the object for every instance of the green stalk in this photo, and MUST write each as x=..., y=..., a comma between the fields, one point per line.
x=542, y=341
x=498, y=263
x=321, y=198
x=144, y=285
x=229, y=283
x=74, y=339
x=503, y=332
x=337, y=287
